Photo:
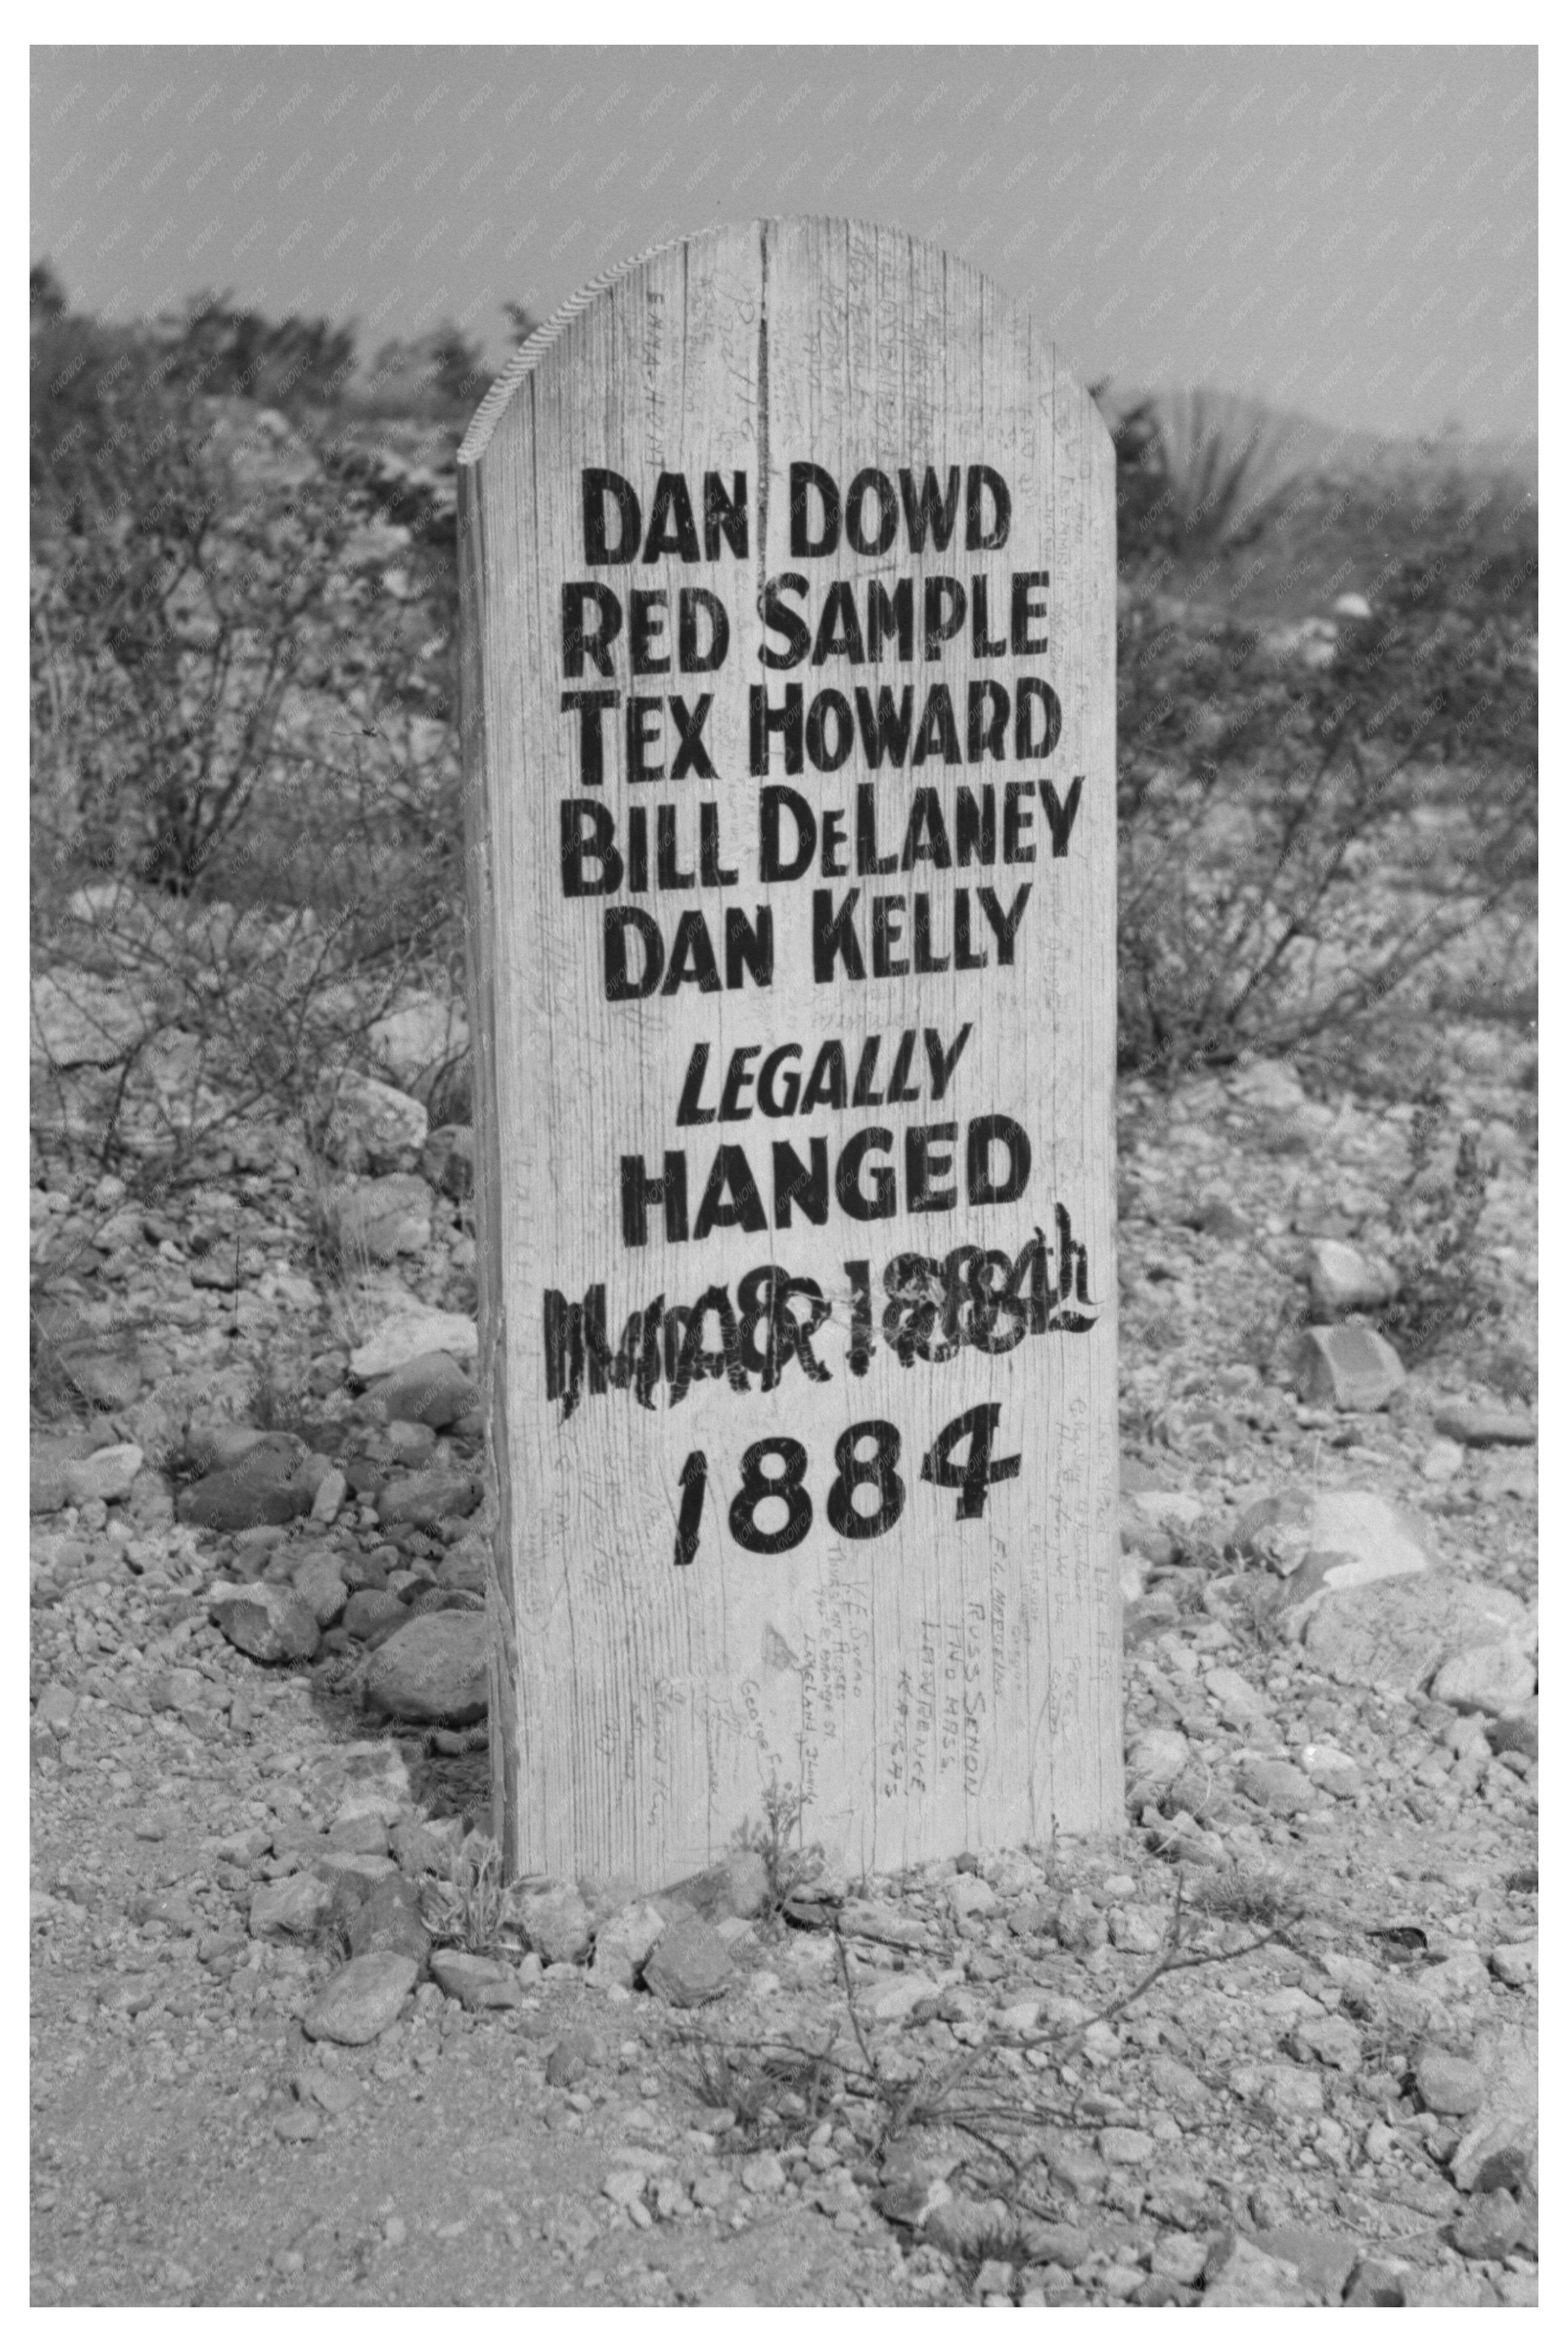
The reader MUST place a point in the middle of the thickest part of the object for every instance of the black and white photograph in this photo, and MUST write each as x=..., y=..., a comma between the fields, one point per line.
x=783, y=1169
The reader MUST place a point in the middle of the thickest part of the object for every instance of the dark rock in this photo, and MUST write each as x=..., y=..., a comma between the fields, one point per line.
x=430, y=1389
x=1278, y=1787
x=390, y=1920
x=1377, y=2284
x=447, y=1091
x=1518, y=1735
x=1155, y=2293
x=1489, y=2227
x=370, y=1612
x=47, y=1475
x=268, y=1622
x=426, y=1846
x=447, y=1162
x=269, y=1486
x=435, y=1669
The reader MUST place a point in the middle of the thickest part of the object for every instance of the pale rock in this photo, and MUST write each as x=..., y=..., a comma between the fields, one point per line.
x=1268, y=1086
x=410, y=1041
x=1293, y=2091
x=380, y=1218
x=1456, y=1976
x=1239, y=1702
x=1340, y=1279
x=972, y=1898
x=894, y=1998
x=1324, y=2259
x=1136, y=1927
x=1332, y=2038
x=1442, y=1462
x=79, y=1020
x=106, y=1477
x=1483, y=1424
x=624, y=1943
x=294, y=1905
x=556, y=1922
x=1148, y=1507
x=478, y=1982
x=1239, y=2274
x=1399, y=1632
x=466, y=1565
x=317, y=1579
x=1518, y=1965
x=1180, y=2256
x=375, y=1781
x=1120, y=2145
x=1177, y=2084
x=1346, y=1366
x=746, y=1883
x=413, y=1332
x=363, y=2000
x=329, y=1498
x=1156, y=1757
x=1449, y=2085
x=1331, y=1768
x=56, y=1708
x=1494, y=1678
x=1352, y=1538
x=371, y=1128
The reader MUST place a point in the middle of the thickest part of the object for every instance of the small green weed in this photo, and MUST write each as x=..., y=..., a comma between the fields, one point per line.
x=789, y=1862
x=476, y=1910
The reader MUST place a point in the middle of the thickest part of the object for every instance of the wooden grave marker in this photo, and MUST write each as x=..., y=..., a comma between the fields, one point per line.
x=788, y=566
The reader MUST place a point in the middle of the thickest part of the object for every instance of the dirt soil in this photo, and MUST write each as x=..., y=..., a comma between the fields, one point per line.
x=1273, y=2045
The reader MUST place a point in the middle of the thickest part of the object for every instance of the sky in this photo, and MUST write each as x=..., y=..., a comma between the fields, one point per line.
x=1347, y=233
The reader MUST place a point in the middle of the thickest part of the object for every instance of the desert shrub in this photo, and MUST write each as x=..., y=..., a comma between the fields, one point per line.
x=1446, y=1285
x=1302, y=836
x=244, y=774
x=1197, y=474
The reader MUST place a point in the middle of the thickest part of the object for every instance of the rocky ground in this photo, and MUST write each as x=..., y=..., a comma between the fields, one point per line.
x=293, y=2044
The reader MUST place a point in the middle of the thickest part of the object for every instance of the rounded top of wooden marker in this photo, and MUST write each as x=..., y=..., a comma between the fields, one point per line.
x=529, y=355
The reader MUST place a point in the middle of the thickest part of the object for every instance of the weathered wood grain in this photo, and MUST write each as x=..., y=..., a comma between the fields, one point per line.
x=947, y=1682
